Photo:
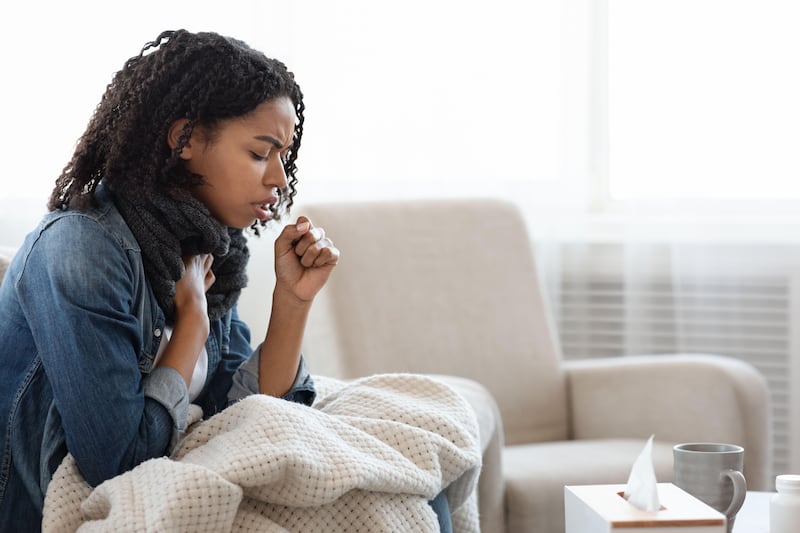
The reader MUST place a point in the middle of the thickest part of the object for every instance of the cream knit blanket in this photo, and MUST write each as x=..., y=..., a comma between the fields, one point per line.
x=367, y=456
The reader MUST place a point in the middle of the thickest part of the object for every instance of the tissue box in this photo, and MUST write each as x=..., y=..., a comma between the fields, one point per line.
x=603, y=509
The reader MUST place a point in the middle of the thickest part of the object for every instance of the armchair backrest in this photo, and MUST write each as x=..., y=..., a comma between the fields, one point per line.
x=440, y=287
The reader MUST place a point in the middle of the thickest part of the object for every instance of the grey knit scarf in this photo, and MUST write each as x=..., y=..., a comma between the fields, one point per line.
x=169, y=227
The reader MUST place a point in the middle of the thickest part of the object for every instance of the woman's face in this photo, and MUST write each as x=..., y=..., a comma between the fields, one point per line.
x=242, y=165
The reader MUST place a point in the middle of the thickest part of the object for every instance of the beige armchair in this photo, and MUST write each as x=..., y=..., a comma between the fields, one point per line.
x=450, y=287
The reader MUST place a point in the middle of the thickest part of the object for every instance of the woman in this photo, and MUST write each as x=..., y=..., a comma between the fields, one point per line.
x=120, y=307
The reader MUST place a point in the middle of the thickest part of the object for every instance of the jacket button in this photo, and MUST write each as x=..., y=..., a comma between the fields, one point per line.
x=157, y=332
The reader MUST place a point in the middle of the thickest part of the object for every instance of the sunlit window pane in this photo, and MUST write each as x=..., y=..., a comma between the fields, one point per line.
x=704, y=99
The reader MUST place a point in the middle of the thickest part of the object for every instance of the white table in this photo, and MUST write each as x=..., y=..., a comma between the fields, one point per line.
x=753, y=517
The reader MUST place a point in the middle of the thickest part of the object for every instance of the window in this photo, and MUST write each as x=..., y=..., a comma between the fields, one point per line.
x=703, y=100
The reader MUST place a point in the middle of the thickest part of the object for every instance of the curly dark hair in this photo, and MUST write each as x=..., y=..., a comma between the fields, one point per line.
x=203, y=77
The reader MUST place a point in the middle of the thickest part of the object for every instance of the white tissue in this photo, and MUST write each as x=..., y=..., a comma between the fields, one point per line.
x=642, y=489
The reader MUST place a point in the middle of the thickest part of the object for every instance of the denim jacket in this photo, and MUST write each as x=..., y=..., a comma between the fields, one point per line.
x=79, y=328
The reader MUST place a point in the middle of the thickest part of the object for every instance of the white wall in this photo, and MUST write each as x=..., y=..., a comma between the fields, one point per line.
x=57, y=58
x=412, y=99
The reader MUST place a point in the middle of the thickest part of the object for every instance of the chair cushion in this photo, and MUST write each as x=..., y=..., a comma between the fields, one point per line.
x=536, y=474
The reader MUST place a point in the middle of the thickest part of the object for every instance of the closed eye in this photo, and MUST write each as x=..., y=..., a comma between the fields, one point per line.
x=259, y=157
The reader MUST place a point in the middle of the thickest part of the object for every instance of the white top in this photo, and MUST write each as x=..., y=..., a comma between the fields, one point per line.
x=200, y=368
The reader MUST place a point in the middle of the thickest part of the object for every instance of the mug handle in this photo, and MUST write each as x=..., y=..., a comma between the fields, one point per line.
x=739, y=491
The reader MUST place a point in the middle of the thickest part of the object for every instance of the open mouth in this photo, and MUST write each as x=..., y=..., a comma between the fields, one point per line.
x=263, y=210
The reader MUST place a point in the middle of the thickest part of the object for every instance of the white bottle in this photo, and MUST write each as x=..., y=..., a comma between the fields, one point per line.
x=784, y=507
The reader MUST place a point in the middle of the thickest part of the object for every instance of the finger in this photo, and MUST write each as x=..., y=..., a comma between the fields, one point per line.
x=209, y=279
x=208, y=260
x=319, y=254
x=314, y=235
x=328, y=256
x=303, y=224
x=292, y=233
x=301, y=227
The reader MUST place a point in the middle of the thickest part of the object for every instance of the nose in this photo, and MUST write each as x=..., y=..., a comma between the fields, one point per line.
x=275, y=174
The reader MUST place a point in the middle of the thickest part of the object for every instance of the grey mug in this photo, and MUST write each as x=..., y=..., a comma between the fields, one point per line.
x=712, y=473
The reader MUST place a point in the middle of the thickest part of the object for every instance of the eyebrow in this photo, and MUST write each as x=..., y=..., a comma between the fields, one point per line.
x=272, y=140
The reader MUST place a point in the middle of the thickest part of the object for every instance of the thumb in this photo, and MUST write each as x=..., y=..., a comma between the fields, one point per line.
x=292, y=233
x=302, y=226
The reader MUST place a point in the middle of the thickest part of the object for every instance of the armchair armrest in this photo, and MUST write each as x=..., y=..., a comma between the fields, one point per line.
x=490, y=429
x=679, y=398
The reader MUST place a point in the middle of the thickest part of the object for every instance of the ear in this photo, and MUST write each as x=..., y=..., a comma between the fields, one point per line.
x=175, y=133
